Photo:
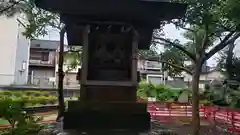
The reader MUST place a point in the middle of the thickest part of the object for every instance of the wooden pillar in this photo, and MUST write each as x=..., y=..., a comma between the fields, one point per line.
x=84, y=70
x=134, y=57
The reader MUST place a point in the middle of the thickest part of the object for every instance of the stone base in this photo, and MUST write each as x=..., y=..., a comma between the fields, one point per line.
x=86, y=117
x=108, y=93
x=90, y=120
x=80, y=106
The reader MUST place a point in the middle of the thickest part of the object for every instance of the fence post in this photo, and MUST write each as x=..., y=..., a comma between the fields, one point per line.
x=214, y=115
x=233, y=122
x=186, y=109
x=170, y=108
x=204, y=112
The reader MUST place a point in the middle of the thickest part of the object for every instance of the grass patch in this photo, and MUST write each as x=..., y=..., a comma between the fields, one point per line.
x=3, y=122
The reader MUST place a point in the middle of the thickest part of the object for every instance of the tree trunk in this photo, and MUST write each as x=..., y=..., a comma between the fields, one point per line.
x=195, y=97
x=229, y=60
x=61, y=77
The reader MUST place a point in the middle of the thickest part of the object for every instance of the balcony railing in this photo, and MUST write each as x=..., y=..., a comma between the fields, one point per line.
x=147, y=67
x=42, y=63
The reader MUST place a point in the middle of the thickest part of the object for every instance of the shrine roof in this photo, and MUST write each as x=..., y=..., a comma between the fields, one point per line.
x=134, y=11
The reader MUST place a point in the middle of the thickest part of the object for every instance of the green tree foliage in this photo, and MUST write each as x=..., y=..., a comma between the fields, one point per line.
x=72, y=58
x=229, y=64
x=146, y=53
x=173, y=60
x=21, y=122
x=210, y=26
x=36, y=21
x=160, y=92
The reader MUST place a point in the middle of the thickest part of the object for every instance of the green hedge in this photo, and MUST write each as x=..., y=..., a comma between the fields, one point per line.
x=29, y=98
x=160, y=92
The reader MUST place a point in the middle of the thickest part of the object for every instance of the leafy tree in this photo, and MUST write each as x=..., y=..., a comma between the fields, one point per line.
x=72, y=58
x=160, y=92
x=173, y=60
x=21, y=122
x=210, y=26
x=146, y=53
x=36, y=21
x=229, y=64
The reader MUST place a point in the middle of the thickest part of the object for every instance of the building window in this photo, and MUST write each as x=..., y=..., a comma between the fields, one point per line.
x=45, y=56
x=155, y=79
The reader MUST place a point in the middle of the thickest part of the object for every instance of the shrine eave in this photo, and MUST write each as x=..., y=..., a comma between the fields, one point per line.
x=120, y=10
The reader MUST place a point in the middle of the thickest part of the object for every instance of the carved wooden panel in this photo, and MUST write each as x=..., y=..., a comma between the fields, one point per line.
x=109, y=56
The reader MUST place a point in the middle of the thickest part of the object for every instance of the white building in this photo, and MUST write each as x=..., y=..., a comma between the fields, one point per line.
x=151, y=71
x=14, y=52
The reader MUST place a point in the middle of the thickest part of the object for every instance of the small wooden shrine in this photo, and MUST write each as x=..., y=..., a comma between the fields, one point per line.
x=110, y=32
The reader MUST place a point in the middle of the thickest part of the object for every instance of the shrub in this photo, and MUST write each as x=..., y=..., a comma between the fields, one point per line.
x=7, y=93
x=18, y=93
x=21, y=122
x=52, y=99
x=42, y=100
x=34, y=93
x=160, y=92
x=29, y=98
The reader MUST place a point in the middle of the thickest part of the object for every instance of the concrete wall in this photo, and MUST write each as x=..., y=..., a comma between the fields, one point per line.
x=22, y=58
x=13, y=52
x=204, y=79
x=41, y=77
x=208, y=76
x=8, y=45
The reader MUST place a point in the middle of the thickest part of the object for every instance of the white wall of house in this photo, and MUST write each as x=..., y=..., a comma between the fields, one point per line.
x=207, y=76
x=22, y=58
x=12, y=52
x=42, y=77
x=158, y=77
x=204, y=77
x=8, y=45
x=155, y=79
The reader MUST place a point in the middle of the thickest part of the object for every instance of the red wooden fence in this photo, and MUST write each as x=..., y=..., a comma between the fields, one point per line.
x=226, y=118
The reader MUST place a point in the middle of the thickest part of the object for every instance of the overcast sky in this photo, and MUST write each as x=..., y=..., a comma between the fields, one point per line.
x=169, y=30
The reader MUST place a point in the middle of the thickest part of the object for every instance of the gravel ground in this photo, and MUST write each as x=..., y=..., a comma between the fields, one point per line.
x=185, y=129
x=166, y=128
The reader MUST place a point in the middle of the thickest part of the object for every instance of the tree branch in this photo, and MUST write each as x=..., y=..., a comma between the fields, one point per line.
x=205, y=38
x=177, y=67
x=9, y=7
x=229, y=60
x=222, y=45
x=21, y=23
x=181, y=48
x=184, y=28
